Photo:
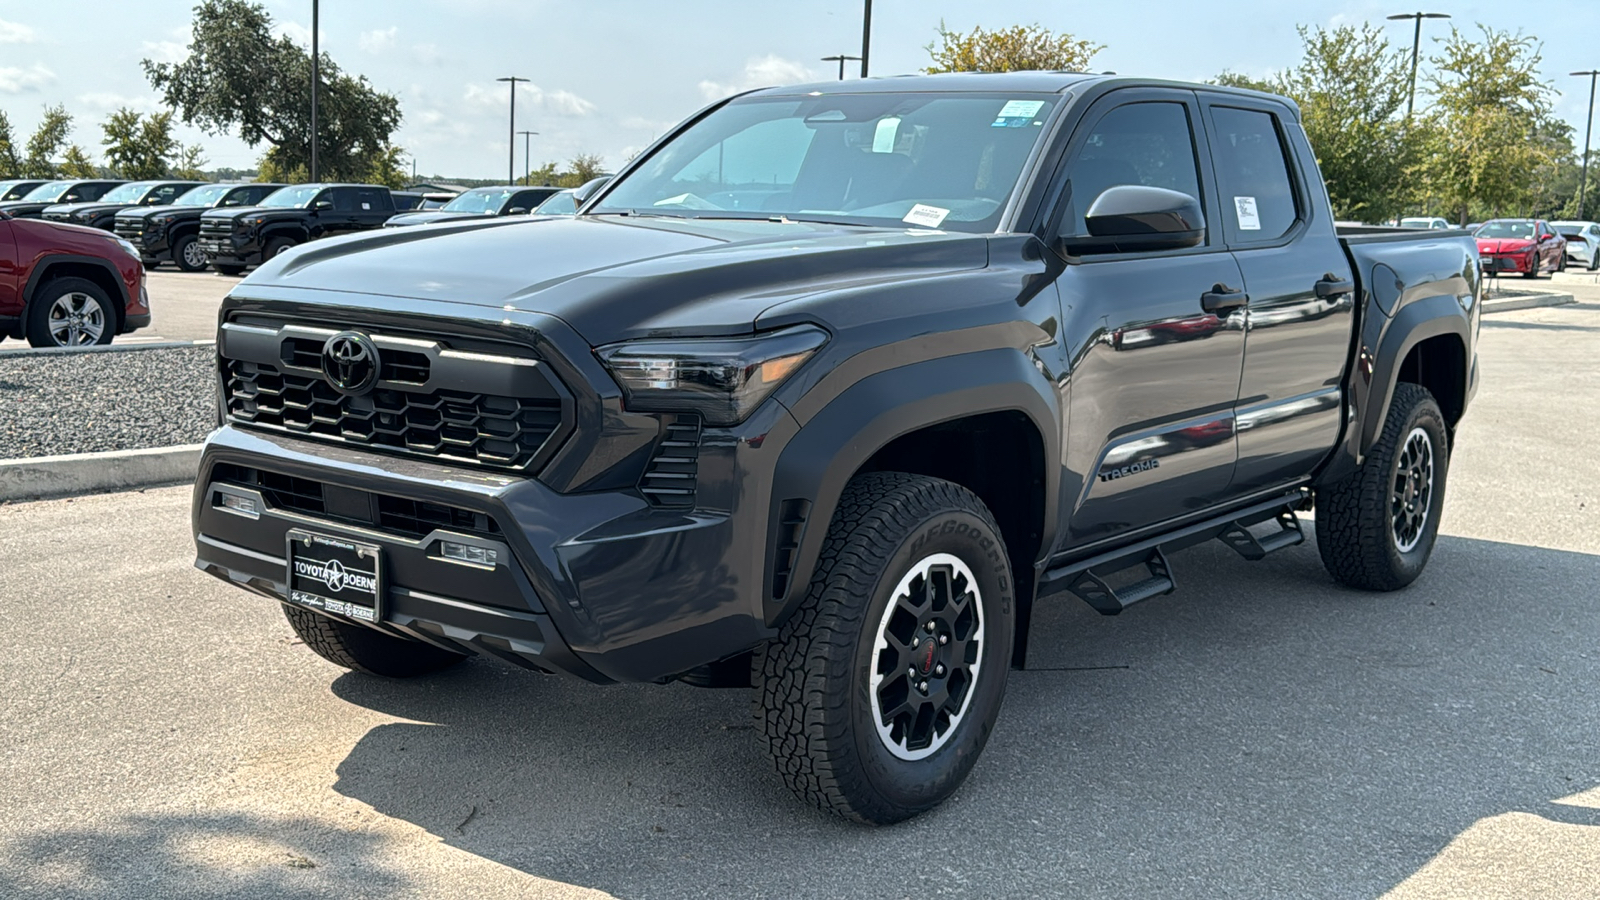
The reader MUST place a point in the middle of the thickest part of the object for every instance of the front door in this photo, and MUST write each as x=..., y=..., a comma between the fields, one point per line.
x=1154, y=375
x=1302, y=299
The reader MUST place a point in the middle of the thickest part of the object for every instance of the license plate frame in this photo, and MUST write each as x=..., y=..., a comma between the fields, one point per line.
x=334, y=575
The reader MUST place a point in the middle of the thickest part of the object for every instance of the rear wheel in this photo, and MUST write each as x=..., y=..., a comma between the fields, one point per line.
x=222, y=269
x=1594, y=258
x=365, y=650
x=879, y=693
x=188, y=254
x=70, y=312
x=1376, y=527
x=277, y=246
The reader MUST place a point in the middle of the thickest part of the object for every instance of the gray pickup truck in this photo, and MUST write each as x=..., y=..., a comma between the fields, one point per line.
x=826, y=391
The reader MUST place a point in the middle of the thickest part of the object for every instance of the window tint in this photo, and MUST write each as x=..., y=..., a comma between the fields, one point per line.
x=1252, y=174
x=370, y=200
x=344, y=199
x=1141, y=143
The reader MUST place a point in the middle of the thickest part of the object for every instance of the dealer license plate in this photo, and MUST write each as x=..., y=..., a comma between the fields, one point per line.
x=340, y=577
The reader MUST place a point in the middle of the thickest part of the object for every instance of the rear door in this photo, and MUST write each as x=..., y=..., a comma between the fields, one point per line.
x=1154, y=376
x=374, y=206
x=1274, y=216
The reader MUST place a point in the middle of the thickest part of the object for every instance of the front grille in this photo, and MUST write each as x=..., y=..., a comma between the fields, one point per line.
x=216, y=228
x=669, y=479
x=57, y=216
x=396, y=515
x=398, y=365
x=129, y=229
x=502, y=432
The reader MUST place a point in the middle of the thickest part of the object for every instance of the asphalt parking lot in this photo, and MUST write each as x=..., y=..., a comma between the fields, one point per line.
x=1260, y=733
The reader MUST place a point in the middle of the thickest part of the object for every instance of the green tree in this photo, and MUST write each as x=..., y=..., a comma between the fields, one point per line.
x=387, y=169
x=545, y=174
x=75, y=163
x=139, y=147
x=1014, y=49
x=1494, y=140
x=47, y=142
x=586, y=166
x=191, y=162
x=1235, y=79
x=10, y=158
x=239, y=78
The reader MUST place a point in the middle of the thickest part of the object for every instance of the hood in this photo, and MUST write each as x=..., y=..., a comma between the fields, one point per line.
x=434, y=215
x=613, y=278
x=234, y=212
x=89, y=206
x=26, y=207
x=145, y=212
x=1503, y=245
x=70, y=228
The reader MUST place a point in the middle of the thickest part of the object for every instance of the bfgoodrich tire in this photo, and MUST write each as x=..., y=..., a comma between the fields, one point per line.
x=1376, y=527
x=879, y=693
x=365, y=650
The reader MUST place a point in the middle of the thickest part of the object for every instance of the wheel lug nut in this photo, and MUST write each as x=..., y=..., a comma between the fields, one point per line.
x=912, y=671
x=928, y=628
x=944, y=639
x=922, y=686
x=938, y=670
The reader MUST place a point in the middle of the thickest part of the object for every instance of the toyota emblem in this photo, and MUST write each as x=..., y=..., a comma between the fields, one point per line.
x=350, y=361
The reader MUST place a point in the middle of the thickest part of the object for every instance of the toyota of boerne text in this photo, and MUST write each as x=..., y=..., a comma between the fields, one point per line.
x=825, y=389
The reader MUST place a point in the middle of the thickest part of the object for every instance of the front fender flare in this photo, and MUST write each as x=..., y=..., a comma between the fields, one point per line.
x=843, y=435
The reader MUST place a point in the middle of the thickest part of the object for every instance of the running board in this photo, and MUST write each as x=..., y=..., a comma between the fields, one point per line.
x=1087, y=579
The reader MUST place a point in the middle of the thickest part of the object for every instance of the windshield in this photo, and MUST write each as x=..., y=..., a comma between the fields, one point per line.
x=1416, y=223
x=1571, y=230
x=300, y=195
x=558, y=204
x=479, y=200
x=132, y=192
x=8, y=188
x=1506, y=230
x=204, y=195
x=50, y=190
x=938, y=160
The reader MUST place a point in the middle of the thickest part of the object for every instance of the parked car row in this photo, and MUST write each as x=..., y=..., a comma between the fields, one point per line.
x=1525, y=246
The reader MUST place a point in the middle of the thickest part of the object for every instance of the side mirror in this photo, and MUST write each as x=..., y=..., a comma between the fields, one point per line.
x=517, y=211
x=589, y=188
x=322, y=204
x=1134, y=217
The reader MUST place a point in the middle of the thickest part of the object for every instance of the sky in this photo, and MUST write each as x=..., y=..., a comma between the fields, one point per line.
x=609, y=76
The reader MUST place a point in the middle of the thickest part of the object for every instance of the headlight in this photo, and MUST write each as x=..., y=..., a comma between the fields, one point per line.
x=128, y=248
x=722, y=379
x=161, y=220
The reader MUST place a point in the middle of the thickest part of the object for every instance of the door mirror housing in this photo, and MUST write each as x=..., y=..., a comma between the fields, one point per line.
x=322, y=204
x=517, y=211
x=1130, y=218
x=589, y=188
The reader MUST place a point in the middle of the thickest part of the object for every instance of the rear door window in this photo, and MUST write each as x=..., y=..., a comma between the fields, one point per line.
x=1253, y=175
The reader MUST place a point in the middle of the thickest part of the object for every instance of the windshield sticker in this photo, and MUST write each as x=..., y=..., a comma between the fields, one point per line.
x=926, y=216
x=883, y=138
x=1245, y=209
x=1017, y=113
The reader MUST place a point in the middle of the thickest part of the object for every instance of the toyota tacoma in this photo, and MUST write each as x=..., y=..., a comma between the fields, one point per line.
x=826, y=390
x=235, y=238
x=172, y=232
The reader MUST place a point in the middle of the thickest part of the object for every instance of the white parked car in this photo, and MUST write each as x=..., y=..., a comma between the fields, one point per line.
x=1430, y=223
x=1583, y=242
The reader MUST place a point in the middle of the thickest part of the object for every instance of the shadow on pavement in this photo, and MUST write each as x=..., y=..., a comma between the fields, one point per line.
x=196, y=855
x=1259, y=733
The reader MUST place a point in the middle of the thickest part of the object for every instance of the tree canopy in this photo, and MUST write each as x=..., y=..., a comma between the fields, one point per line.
x=10, y=157
x=139, y=147
x=47, y=143
x=239, y=78
x=1015, y=49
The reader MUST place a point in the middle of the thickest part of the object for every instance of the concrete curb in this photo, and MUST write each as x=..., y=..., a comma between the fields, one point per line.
x=45, y=477
x=102, y=348
x=1531, y=300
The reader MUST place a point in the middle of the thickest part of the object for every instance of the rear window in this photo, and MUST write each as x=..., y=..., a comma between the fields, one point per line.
x=1258, y=199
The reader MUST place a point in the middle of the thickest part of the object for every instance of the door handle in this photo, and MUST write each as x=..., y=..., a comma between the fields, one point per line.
x=1333, y=286
x=1221, y=299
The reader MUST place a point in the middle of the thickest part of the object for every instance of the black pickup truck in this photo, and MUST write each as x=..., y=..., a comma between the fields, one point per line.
x=33, y=204
x=102, y=213
x=171, y=233
x=234, y=239
x=478, y=203
x=826, y=390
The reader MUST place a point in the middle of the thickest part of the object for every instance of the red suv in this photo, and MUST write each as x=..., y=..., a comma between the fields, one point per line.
x=66, y=285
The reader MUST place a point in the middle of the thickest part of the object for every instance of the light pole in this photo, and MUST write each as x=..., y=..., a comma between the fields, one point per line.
x=840, y=57
x=314, y=61
x=511, y=144
x=1588, y=126
x=1416, y=46
x=866, y=36
x=527, y=161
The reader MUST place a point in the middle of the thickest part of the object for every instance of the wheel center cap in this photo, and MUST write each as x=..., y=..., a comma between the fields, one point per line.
x=926, y=656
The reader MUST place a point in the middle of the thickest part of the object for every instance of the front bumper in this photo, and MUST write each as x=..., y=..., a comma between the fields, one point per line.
x=1516, y=263
x=229, y=252
x=601, y=585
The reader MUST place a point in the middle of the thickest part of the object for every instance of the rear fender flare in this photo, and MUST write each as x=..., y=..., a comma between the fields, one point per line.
x=1416, y=322
x=843, y=435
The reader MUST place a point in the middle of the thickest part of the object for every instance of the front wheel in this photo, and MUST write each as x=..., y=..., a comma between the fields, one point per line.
x=70, y=312
x=1376, y=527
x=224, y=269
x=1533, y=266
x=278, y=246
x=188, y=254
x=365, y=650
x=880, y=691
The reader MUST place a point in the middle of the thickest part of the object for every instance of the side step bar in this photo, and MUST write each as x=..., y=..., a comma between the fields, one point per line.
x=1087, y=579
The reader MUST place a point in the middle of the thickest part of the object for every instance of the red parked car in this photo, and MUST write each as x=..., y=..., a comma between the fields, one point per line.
x=1527, y=246
x=67, y=285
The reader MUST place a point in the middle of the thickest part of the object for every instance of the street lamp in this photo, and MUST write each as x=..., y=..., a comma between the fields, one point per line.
x=511, y=144
x=866, y=36
x=1416, y=45
x=840, y=58
x=314, y=54
x=527, y=161
x=1588, y=126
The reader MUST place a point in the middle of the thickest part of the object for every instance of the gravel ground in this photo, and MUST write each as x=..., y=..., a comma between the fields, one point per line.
x=88, y=402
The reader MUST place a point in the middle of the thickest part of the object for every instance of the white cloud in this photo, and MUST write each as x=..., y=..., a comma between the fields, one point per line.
x=166, y=51
x=427, y=54
x=16, y=33
x=556, y=103
x=300, y=34
x=105, y=100
x=15, y=80
x=759, y=71
x=379, y=40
